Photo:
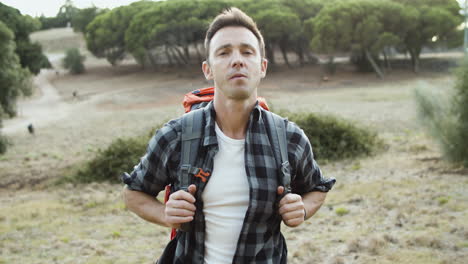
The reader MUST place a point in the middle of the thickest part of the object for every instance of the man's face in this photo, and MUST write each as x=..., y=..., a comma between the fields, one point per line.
x=235, y=63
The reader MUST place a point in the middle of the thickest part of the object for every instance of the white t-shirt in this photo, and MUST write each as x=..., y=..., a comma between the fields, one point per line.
x=225, y=199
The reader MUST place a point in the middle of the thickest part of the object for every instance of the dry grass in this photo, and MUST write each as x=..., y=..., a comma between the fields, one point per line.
x=404, y=205
x=58, y=40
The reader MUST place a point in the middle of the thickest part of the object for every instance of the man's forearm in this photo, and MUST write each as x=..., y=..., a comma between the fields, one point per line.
x=145, y=206
x=312, y=202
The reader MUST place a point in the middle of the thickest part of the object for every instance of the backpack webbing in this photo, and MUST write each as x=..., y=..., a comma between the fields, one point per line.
x=191, y=136
x=276, y=123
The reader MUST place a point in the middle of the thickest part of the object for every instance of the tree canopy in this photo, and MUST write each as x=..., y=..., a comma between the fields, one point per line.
x=30, y=54
x=172, y=31
x=14, y=80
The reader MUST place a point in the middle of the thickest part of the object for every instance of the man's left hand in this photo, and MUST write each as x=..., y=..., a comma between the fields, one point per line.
x=291, y=208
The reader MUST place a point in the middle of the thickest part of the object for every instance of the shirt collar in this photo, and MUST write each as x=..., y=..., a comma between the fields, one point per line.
x=210, y=121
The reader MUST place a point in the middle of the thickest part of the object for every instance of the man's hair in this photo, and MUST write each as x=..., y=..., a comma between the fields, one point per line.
x=233, y=17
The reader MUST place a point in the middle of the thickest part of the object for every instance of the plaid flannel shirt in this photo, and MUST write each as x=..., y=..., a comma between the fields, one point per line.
x=260, y=240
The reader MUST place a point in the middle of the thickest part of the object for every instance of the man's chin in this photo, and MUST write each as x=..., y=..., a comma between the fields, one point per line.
x=240, y=95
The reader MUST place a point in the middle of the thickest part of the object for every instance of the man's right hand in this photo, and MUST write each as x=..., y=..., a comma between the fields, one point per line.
x=180, y=207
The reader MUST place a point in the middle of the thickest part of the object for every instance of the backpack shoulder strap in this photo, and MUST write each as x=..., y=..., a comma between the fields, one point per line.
x=192, y=123
x=277, y=129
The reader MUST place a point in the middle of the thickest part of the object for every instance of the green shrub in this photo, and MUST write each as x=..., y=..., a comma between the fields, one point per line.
x=341, y=211
x=333, y=138
x=110, y=163
x=445, y=115
x=3, y=144
x=73, y=61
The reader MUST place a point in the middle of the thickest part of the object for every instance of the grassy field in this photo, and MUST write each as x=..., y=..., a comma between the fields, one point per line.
x=404, y=205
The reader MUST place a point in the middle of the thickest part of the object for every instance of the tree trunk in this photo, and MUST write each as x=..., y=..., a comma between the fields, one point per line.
x=300, y=53
x=387, y=62
x=374, y=65
x=181, y=56
x=414, y=60
x=285, y=55
x=270, y=54
x=174, y=56
x=151, y=59
x=199, y=57
x=187, y=53
x=168, y=55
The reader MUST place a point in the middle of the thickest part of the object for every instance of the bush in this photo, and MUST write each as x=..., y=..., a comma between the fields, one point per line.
x=110, y=163
x=3, y=144
x=445, y=115
x=73, y=61
x=333, y=138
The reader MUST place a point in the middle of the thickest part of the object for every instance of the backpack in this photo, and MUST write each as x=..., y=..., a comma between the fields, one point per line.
x=192, y=131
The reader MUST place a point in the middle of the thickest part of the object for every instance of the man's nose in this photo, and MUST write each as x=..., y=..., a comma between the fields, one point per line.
x=237, y=60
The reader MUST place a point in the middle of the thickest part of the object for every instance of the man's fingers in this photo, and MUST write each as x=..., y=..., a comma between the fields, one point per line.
x=170, y=211
x=293, y=215
x=289, y=198
x=172, y=220
x=294, y=222
x=290, y=208
x=192, y=189
x=280, y=190
x=183, y=195
x=181, y=204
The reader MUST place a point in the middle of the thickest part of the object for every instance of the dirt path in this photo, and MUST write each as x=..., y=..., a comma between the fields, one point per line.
x=38, y=111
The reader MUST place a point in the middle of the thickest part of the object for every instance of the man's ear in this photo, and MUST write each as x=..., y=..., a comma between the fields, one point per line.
x=264, y=66
x=207, y=70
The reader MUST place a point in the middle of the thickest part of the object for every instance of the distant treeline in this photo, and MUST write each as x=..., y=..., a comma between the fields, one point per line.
x=172, y=32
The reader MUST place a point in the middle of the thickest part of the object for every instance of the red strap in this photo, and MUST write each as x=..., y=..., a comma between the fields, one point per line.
x=166, y=198
x=206, y=95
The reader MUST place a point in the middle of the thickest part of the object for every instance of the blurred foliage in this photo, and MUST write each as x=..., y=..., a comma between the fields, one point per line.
x=73, y=61
x=4, y=143
x=432, y=18
x=171, y=32
x=333, y=138
x=62, y=19
x=30, y=54
x=109, y=163
x=14, y=80
x=83, y=17
x=445, y=114
x=105, y=35
x=363, y=28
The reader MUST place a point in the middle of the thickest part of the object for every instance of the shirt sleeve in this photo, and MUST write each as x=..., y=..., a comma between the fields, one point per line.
x=307, y=176
x=153, y=172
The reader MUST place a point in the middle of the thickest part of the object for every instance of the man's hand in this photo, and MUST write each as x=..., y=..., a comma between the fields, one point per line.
x=180, y=207
x=291, y=208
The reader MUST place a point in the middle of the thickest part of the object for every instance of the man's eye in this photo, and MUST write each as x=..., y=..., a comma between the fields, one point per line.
x=222, y=53
x=248, y=52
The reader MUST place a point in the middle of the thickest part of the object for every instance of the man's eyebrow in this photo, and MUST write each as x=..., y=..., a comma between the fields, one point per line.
x=225, y=46
x=247, y=45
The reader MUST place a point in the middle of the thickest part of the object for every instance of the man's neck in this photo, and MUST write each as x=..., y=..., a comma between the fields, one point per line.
x=232, y=116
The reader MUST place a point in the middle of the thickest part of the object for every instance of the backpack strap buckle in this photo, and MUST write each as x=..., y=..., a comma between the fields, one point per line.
x=286, y=177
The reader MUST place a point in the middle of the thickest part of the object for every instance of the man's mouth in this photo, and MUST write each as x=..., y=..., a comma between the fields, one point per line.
x=237, y=76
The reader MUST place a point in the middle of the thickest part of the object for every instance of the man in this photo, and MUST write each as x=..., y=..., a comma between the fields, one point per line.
x=236, y=211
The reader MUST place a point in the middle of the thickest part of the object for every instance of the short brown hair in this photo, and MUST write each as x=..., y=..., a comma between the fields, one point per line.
x=233, y=17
